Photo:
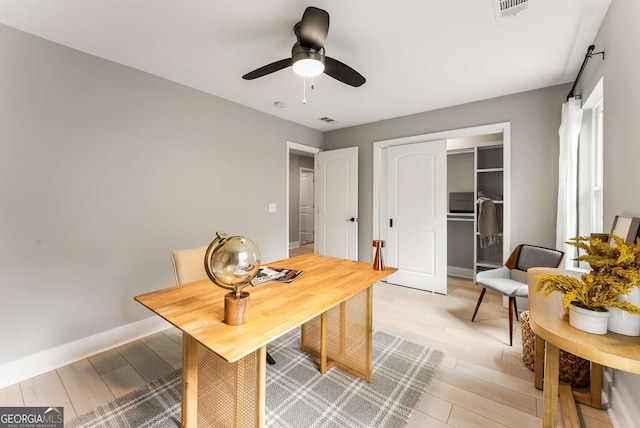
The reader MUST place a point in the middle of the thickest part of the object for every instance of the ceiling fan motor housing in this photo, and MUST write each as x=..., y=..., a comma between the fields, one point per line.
x=299, y=52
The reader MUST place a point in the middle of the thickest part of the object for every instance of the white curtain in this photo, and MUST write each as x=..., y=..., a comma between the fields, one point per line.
x=566, y=223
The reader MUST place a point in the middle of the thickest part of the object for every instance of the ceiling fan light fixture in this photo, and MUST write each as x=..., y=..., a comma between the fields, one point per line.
x=307, y=62
x=308, y=67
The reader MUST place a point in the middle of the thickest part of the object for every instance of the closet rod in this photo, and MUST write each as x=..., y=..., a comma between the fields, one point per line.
x=584, y=63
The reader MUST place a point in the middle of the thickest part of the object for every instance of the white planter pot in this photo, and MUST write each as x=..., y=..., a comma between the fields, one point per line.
x=589, y=321
x=623, y=322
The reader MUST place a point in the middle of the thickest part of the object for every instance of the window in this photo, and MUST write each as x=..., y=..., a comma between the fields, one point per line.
x=596, y=167
x=590, y=166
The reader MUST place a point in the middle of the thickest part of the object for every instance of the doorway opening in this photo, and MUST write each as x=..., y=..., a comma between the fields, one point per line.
x=298, y=156
x=305, y=205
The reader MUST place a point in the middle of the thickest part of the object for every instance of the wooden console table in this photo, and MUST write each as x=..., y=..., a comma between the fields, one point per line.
x=224, y=370
x=550, y=323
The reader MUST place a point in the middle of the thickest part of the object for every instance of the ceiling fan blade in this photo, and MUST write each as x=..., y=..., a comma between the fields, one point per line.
x=342, y=72
x=314, y=27
x=268, y=69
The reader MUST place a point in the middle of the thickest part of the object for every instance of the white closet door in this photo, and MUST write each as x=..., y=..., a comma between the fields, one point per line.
x=417, y=215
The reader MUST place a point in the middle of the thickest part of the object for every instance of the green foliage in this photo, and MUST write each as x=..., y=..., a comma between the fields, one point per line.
x=615, y=271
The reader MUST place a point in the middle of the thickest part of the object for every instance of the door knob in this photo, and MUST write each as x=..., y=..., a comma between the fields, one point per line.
x=352, y=219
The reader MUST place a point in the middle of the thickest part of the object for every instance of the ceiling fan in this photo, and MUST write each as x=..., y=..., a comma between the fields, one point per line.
x=307, y=55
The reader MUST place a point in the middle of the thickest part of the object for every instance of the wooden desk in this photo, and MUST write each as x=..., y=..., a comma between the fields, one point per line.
x=224, y=366
x=550, y=323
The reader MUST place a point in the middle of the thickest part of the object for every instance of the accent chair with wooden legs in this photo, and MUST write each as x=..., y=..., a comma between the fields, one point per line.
x=511, y=279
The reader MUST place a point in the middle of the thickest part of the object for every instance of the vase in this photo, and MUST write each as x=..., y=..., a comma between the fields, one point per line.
x=623, y=322
x=588, y=320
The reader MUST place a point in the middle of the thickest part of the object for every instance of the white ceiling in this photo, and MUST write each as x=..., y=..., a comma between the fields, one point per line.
x=417, y=55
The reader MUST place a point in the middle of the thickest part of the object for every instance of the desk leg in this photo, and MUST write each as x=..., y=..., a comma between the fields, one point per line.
x=227, y=394
x=594, y=397
x=261, y=390
x=369, y=337
x=324, y=364
x=538, y=362
x=570, y=418
x=342, y=336
x=551, y=381
x=596, y=386
x=189, y=381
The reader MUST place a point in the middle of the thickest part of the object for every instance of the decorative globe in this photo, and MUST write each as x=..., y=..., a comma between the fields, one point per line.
x=232, y=262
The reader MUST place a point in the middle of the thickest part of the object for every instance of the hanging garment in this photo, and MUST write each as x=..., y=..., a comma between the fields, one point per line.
x=488, y=228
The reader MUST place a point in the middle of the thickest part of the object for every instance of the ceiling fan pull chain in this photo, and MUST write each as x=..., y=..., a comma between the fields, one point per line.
x=304, y=90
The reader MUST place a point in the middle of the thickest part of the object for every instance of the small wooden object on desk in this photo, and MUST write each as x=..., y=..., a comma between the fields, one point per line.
x=378, y=264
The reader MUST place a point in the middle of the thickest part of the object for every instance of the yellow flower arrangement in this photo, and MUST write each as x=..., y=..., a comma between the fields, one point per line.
x=615, y=270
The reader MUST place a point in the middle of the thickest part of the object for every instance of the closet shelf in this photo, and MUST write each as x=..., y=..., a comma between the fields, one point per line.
x=497, y=201
x=450, y=214
x=466, y=219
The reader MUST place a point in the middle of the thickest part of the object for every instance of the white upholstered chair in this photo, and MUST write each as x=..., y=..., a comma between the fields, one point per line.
x=511, y=279
x=188, y=265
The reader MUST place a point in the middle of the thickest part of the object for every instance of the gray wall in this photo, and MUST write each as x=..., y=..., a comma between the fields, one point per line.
x=535, y=119
x=618, y=37
x=295, y=163
x=104, y=170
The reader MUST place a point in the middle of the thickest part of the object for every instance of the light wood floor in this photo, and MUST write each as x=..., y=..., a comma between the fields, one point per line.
x=482, y=382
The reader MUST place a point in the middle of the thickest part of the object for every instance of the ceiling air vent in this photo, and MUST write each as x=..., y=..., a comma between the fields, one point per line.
x=327, y=119
x=504, y=8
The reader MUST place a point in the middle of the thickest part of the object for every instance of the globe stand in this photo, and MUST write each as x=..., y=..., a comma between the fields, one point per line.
x=236, y=308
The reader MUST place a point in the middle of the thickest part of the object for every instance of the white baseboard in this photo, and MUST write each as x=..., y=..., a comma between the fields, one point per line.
x=460, y=272
x=615, y=402
x=41, y=362
x=294, y=244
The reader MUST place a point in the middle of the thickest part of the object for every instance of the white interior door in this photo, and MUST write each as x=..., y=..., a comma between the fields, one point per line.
x=417, y=215
x=337, y=203
x=306, y=206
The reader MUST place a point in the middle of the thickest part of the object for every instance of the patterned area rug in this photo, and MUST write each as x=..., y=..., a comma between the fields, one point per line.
x=297, y=394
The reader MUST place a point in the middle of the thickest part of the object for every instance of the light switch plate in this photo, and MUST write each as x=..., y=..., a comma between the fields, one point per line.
x=272, y=208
